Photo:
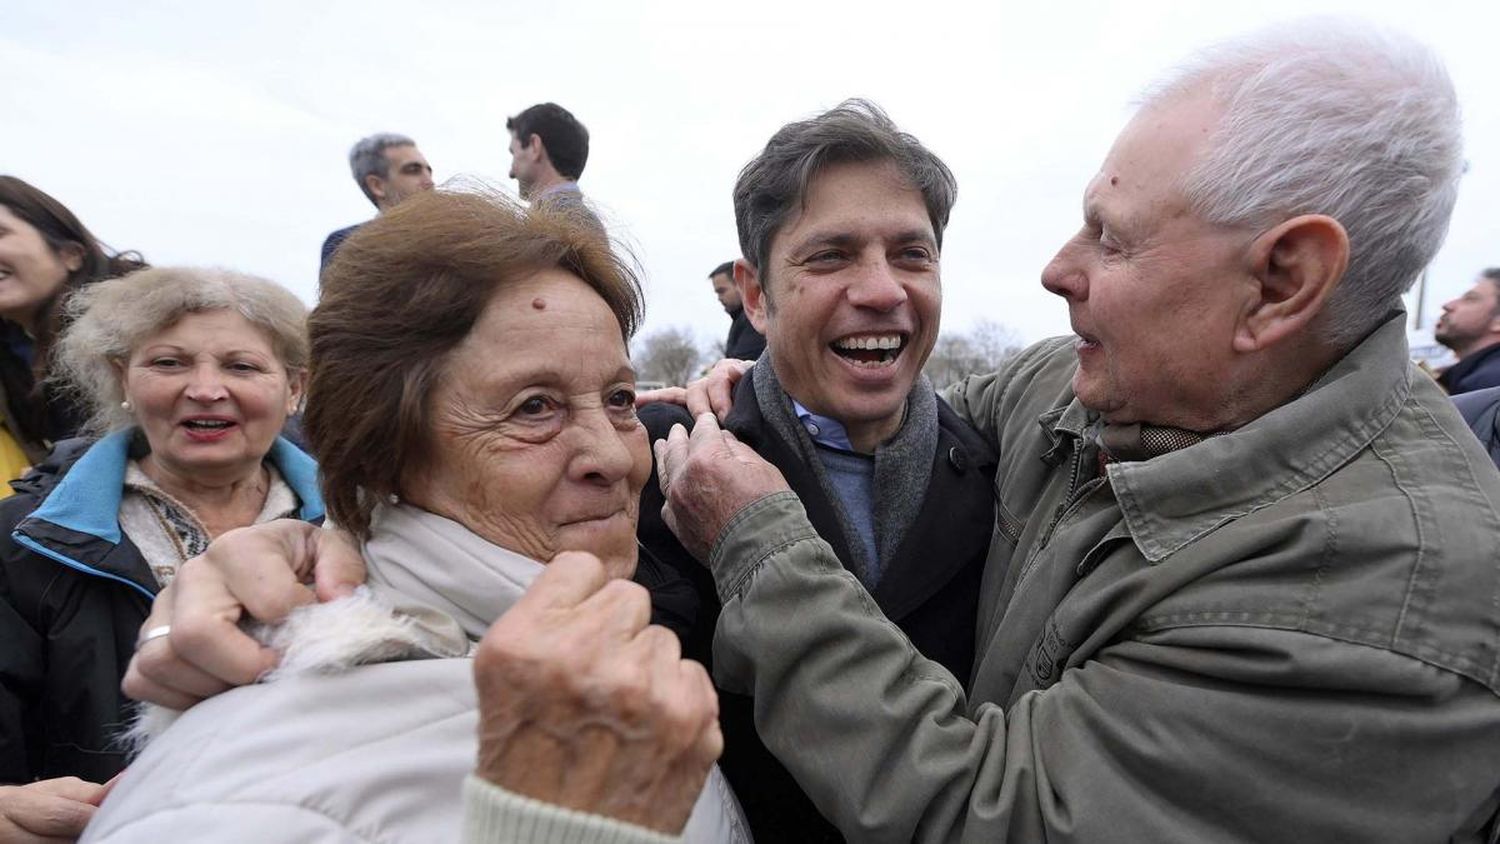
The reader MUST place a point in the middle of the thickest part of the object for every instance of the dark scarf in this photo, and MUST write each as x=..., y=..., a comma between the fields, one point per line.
x=903, y=464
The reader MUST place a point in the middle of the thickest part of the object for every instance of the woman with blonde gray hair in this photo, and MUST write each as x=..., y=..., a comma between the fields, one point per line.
x=188, y=376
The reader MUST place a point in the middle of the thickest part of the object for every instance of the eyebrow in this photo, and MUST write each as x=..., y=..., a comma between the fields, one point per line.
x=549, y=376
x=1094, y=216
x=847, y=239
x=159, y=348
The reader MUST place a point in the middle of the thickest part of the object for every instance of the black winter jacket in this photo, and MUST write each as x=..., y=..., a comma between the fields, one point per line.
x=930, y=589
x=74, y=591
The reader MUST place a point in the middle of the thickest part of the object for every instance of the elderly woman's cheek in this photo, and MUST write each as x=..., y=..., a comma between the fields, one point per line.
x=638, y=441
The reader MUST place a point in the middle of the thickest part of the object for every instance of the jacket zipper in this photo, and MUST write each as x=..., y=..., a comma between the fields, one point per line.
x=39, y=548
x=1076, y=496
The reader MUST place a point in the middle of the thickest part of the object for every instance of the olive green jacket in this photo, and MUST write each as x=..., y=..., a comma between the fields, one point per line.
x=1286, y=633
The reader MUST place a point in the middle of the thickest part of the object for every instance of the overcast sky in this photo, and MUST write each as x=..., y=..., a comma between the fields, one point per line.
x=206, y=132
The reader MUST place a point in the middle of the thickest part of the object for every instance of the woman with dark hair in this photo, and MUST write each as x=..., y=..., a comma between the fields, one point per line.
x=45, y=254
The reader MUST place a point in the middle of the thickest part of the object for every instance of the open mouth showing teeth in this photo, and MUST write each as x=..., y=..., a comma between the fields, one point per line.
x=869, y=350
x=207, y=424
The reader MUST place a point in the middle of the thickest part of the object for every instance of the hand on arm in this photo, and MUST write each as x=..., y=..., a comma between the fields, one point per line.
x=585, y=705
x=263, y=571
x=53, y=810
x=713, y=393
x=707, y=477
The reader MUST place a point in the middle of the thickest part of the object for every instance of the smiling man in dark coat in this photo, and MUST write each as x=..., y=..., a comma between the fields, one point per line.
x=841, y=218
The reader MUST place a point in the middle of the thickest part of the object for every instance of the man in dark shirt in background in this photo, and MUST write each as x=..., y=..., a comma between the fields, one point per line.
x=1470, y=326
x=744, y=341
x=388, y=168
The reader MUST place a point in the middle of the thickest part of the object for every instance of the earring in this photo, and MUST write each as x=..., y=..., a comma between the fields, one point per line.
x=393, y=498
x=125, y=405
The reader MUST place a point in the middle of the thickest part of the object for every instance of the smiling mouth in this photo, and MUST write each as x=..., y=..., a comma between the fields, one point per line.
x=593, y=519
x=870, y=350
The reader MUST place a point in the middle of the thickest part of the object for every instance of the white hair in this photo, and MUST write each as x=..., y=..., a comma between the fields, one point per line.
x=1338, y=118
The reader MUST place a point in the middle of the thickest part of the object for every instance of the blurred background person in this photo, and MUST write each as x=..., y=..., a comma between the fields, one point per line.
x=744, y=341
x=388, y=168
x=1470, y=326
x=1481, y=409
x=500, y=433
x=548, y=151
x=45, y=253
x=189, y=375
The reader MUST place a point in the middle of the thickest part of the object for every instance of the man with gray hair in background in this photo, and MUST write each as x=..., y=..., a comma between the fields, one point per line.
x=388, y=168
x=1244, y=580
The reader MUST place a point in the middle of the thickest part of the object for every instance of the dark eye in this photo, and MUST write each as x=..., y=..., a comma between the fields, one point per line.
x=165, y=363
x=534, y=406
x=243, y=366
x=623, y=399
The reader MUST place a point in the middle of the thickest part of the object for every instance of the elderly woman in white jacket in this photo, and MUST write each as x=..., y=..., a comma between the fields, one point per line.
x=471, y=405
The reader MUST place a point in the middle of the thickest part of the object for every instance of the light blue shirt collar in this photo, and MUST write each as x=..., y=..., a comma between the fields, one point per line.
x=568, y=186
x=824, y=430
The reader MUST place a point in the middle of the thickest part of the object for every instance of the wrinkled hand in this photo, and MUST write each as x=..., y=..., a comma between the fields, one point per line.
x=261, y=570
x=49, y=810
x=584, y=704
x=713, y=393
x=707, y=477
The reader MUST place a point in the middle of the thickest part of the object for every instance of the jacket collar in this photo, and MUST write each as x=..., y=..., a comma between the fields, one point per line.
x=87, y=499
x=448, y=580
x=1174, y=499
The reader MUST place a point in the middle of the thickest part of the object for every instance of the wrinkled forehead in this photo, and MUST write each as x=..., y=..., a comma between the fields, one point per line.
x=1150, y=162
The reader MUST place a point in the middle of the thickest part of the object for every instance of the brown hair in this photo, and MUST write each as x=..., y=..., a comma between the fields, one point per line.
x=775, y=183
x=58, y=227
x=400, y=294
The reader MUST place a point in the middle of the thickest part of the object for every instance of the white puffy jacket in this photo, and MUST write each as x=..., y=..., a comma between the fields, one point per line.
x=333, y=750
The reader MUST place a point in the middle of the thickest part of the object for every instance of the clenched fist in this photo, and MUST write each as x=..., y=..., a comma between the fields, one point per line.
x=584, y=704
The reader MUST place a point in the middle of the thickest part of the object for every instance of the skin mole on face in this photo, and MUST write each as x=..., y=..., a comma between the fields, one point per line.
x=1114, y=181
x=539, y=303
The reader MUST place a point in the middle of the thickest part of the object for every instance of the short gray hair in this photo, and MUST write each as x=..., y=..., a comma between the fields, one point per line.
x=1339, y=118
x=367, y=158
x=109, y=319
x=775, y=182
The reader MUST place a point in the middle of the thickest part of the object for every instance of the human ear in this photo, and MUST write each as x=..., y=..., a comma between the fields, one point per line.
x=72, y=254
x=376, y=186
x=296, y=387
x=120, y=367
x=753, y=297
x=1296, y=266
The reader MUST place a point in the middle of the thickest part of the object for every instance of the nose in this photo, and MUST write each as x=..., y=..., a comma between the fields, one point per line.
x=1062, y=276
x=1450, y=305
x=206, y=384
x=601, y=454
x=878, y=288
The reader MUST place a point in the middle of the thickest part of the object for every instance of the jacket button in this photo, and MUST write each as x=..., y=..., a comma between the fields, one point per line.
x=956, y=457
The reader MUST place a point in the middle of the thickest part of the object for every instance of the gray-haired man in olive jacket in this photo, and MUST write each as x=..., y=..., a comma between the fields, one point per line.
x=1245, y=582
